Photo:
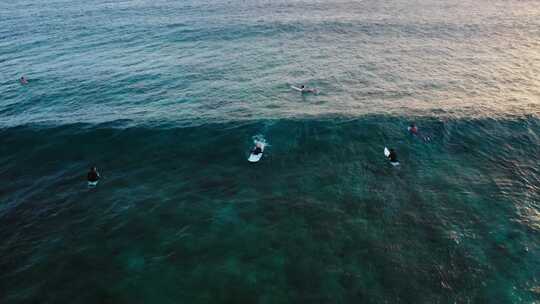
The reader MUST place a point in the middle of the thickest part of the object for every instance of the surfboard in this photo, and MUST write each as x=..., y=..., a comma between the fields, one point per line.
x=92, y=184
x=253, y=158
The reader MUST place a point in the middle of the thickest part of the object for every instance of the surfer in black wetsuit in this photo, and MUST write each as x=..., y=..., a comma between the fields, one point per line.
x=257, y=150
x=392, y=156
x=93, y=175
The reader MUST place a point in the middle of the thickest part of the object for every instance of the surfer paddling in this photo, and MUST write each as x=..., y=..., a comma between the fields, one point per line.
x=303, y=89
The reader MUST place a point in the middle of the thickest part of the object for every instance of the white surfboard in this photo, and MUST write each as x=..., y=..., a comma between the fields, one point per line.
x=92, y=184
x=253, y=158
x=296, y=88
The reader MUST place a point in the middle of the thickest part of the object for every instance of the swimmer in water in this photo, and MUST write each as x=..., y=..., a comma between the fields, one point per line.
x=303, y=89
x=23, y=80
x=413, y=129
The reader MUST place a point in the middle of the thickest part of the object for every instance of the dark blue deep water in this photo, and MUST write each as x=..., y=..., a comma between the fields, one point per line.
x=166, y=98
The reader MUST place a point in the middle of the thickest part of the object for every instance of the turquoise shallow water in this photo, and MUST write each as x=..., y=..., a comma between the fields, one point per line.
x=166, y=98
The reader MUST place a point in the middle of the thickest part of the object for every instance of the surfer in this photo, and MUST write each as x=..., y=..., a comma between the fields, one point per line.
x=413, y=129
x=93, y=175
x=23, y=80
x=257, y=150
x=303, y=89
x=393, y=156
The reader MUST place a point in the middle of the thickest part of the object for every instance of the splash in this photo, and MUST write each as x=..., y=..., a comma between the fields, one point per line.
x=260, y=140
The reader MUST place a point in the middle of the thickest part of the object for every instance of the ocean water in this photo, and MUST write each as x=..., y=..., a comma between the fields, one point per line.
x=166, y=98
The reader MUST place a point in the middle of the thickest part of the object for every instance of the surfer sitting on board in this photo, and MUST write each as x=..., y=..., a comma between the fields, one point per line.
x=93, y=175
x=392, y=156
x=257, y=150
